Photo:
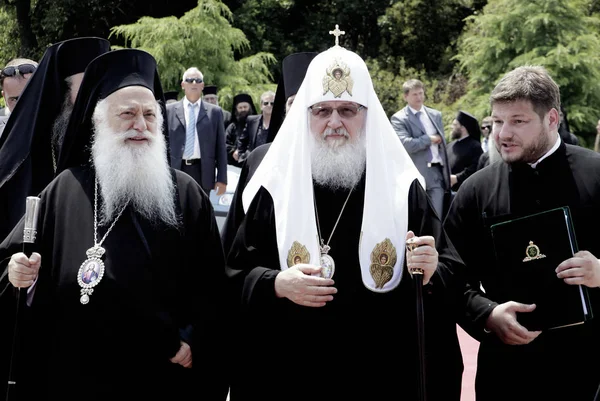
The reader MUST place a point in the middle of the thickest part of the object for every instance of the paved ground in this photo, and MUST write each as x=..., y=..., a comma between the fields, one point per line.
x=469, y=347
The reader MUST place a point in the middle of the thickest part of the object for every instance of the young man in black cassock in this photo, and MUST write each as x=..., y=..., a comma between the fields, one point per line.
x=327, y=304
x=148, y=325
x=539, y=172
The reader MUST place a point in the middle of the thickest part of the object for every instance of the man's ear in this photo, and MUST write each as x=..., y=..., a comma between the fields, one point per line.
x=553, y=117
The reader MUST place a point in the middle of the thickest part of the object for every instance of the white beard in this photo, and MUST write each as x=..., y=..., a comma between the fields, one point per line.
x=137, y=174
x=338, y=164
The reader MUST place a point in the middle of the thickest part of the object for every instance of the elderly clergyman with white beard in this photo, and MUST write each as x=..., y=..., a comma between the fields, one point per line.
x=125, y=291
x=319, y=265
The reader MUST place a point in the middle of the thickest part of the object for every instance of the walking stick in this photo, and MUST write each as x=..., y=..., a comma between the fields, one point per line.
x=29, y=233
x=417, y=275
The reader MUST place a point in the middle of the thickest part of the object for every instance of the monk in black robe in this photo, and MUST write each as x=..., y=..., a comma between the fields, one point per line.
x=539, y=173
x=138, y=327
x=304, y=334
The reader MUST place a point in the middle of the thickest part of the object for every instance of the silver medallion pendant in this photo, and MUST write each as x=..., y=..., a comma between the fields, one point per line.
x=327, y=263
x=90, y=273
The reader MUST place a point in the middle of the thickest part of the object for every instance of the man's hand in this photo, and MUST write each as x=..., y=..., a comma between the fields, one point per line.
x=423, y=256
x=583, y=268
x=22, y=271
x=503, y=322
x=435, y=139
x=183, y=356
x=220, y=188
x=236, y=155
x=297, y=285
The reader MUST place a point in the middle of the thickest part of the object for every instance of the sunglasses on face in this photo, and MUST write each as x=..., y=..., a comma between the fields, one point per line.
x=347, y=111
x=268, y=103
x=192, y=80
x=486, y=127
x=18, y=70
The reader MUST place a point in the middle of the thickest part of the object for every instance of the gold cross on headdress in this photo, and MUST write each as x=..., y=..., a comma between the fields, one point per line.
x=337, y=33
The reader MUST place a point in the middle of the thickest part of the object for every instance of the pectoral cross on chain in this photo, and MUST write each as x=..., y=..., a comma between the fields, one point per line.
x=337, y=33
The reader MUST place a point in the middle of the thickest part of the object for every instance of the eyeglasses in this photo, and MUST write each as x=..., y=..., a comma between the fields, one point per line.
x=268, y=103
x=192, y=80
x=486, y=127
x=18, y=70
x=346, y=111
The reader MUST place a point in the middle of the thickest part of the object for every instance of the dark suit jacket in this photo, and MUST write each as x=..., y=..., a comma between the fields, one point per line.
x=211, y=136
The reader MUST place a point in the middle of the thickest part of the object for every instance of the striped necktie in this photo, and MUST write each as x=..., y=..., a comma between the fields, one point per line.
x=190, y=138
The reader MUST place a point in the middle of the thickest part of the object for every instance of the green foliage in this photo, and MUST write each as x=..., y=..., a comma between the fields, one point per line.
x=9, y=46
x=560, y=35
x=203, y=37
x=411, y=26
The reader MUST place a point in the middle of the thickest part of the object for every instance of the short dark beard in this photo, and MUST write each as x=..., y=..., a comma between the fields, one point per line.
x=241, y=116
x=456, y=134
x=61, y=123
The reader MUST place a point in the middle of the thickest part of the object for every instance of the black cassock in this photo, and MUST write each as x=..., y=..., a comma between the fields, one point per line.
x=463, y=156
x=161, y=285
x=361, y=345
x=560, y=364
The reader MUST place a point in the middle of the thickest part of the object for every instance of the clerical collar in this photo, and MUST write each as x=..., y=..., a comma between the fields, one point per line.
x=415, y=111
x=556, y=145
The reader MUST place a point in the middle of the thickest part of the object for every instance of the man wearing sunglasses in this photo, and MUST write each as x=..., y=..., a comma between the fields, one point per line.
x=486, y=130
x=197, y=135
x=256, y=132
x=13, y=79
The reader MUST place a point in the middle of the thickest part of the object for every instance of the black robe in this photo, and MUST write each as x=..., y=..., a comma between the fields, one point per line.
x=560, y=364
x=235, y=215
x=161, y=285
x=463, y=156
x=361, y=345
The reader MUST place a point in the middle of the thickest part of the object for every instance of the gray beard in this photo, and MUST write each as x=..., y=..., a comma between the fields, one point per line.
x=338, y=165
x=134, y=174
x=59, y=128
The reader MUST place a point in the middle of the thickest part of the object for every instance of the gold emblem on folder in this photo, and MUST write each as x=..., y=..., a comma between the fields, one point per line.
x=533, y=252
x=297, y=254
x=337, y=79
x=383, y=260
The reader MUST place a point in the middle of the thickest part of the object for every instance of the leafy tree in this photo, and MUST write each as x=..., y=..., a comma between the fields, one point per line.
x=560, y=35
x=41, y=23
x=9, y=47
x=290, y=26
x=202, y=37
x=424, y=32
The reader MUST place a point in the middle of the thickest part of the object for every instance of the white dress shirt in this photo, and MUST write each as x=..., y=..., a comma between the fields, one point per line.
x=431, y=131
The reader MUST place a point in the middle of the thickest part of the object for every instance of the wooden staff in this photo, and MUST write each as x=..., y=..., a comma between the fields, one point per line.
x=417, y=275
x=29, y=233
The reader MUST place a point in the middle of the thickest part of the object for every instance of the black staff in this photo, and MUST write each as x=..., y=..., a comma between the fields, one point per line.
x=417, y=275
x=29, y=233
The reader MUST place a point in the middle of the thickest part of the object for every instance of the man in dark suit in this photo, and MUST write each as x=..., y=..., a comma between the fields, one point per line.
x=210, y=96
x=199, y=150
x=421, y=131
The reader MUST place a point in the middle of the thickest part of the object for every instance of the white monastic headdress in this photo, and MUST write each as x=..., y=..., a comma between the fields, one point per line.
x=286, y=169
